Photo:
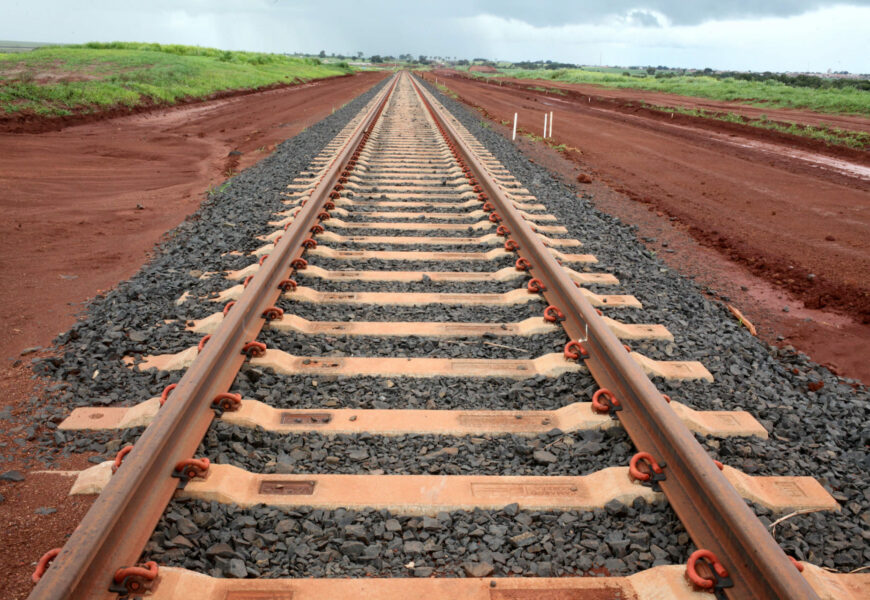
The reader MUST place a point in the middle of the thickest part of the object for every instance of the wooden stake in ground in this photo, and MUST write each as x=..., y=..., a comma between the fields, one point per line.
x=736, y=312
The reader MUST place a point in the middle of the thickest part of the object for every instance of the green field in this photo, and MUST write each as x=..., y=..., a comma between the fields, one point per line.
x=835, y=97
x=60, y=80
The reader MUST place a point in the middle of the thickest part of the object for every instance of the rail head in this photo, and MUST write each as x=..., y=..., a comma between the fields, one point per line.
x=115, y=530
x=714, y=514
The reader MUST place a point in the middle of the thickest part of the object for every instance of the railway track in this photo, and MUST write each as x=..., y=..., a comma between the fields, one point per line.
x=407, y=252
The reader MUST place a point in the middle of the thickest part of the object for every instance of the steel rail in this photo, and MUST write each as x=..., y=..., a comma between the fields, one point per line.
x=710, y=508
x=115, y=530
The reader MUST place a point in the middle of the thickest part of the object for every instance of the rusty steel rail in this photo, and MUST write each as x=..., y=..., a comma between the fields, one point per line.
x=115, y=530
x=711, y=510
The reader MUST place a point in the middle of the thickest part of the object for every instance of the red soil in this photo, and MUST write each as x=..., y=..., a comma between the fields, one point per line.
x=624, y=96
x=781, y=213
x=71, y=224
x=71, y=229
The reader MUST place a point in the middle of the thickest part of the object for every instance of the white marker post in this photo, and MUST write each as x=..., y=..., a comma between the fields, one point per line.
x=545, y=124
x=514, y=137
x=550, y=134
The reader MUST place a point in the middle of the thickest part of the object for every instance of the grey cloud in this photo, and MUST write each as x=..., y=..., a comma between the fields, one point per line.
x=540, y=13
x=679, y=12
x=642, y=18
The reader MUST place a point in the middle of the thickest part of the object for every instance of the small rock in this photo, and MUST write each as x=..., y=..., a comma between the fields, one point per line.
x=542, y=457
x=236, y=568
x=45, y=510
x=285, y=526
x=413, y=547
x=423, y=571
x=352, y=549
x=222, y=550
x=355, y=531
x=393, y=525
x=524, y=539
x=475, y=569
x=12, y=476
x=615, y=508
x=179, y=541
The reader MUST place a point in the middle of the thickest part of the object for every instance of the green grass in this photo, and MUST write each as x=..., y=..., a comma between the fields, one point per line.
x=57, y=80
x=834, y=136
x=445, y=90
x=765, y=93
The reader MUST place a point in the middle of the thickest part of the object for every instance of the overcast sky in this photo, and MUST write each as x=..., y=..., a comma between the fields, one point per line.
x=779, y=35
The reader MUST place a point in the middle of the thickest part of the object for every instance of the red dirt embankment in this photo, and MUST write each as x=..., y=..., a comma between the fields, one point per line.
x=792, y=217
x=71, y=224
x=627, y=96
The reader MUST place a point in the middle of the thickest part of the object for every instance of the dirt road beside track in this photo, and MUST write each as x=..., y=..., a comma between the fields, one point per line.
x=83, y=206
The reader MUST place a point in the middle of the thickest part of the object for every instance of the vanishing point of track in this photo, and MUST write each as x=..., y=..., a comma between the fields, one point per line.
x=404, y=164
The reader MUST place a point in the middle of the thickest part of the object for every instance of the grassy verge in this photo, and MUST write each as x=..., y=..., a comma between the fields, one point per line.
x=833, y=136
x=771, y=93
x=446, y=91
x=60, y=80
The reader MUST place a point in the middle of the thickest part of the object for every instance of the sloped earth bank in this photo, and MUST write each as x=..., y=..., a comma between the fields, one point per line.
x=785, y=239
x=631, y=98
x=70, y=229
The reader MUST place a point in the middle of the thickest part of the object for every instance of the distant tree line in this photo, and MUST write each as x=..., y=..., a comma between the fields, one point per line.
x=801, y=80
x=659, y=72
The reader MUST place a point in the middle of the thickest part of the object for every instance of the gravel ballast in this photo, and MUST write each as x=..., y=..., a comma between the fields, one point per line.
x=550, y=453
x=229, y=541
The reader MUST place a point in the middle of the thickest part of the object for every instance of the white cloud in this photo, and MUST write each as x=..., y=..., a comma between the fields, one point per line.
x=834, y=37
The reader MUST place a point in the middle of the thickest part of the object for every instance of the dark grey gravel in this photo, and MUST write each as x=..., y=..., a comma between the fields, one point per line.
x=300, y=391
x=490, y=347
x=427, y=285
x=551, y=453
x=308, y=542
x=377, y=264
x=442, y=313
